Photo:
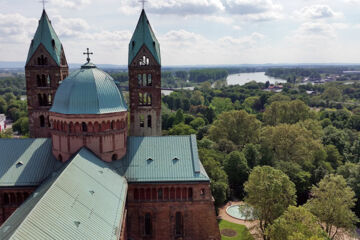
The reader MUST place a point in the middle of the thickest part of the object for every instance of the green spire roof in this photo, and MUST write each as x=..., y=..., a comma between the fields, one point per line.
x=45, y=34
x=144, y=35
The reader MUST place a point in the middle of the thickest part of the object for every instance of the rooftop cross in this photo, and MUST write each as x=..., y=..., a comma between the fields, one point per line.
x=43, y=3
x=143, y=3
x=88, y=54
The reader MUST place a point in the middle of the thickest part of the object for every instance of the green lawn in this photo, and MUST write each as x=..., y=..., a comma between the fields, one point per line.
x=242, y=232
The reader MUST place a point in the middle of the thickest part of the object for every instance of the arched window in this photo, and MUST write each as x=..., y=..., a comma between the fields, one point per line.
x=142, y=194
x=142, y=124
x=84, y=127
x=178, y=224
x=60, y=158
x=114, y=157
x=160, y=194
x=184, y=194
x=172, y=193
x=112, y=125
x=49, y=123
x=153, y=194
x=148, y=194
x=139, y=80
x=148, y=99
x=45, y=100
x=178, y=193
x=39, y=61
x=149, y=81
x=42, y=121
x=43, y=80
x=149, y=121
x=141, y=99
x=148, y=225
x=45, y=61
x=49, y=99
x=166, y=193
x=40, y=100
x=190, y=193
x=144, y=80
x=38, y=80
x=136, y=194
x=6, y=199
x=48, y=80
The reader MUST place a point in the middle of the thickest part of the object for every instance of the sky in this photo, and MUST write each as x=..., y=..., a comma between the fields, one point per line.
x=201, y=32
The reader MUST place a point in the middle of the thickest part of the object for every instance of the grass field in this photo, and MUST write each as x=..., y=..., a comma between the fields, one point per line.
x=242, y=232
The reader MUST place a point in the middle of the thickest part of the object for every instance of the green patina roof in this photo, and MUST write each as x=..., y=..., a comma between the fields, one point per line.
x=88, y=90
x=144, y=35
x=85, y=200
x=153, y=159
x=26, y=162
x=44, y=35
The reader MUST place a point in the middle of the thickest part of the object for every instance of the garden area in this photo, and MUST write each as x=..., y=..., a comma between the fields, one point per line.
x=233, y=231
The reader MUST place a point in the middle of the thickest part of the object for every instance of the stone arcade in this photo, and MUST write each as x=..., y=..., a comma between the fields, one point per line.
x=80, y=176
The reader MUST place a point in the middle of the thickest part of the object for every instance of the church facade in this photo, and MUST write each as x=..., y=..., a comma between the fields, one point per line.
x=80, y=176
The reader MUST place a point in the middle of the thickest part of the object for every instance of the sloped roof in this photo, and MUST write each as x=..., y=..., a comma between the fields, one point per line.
x=88, y=90
x=26, y=162
x=85, y=200
x=144, y=34
x=44, y=35
x=161, y=159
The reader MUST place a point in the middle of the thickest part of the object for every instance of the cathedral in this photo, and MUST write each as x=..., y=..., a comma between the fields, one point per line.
x=94, y=167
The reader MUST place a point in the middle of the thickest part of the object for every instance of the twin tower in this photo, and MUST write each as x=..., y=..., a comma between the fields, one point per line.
x=46, y=68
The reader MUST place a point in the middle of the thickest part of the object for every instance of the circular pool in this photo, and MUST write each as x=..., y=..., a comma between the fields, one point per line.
x=241, y=211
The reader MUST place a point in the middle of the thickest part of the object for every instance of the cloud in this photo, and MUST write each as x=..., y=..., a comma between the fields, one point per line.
x=243, y=42
x=175, y=7
x=315, y=32
x=219, y=19
x=254, y=10
x=317, y=12
x=74, y=4
x=352, y=1
x=70, y=27
x=15, y=28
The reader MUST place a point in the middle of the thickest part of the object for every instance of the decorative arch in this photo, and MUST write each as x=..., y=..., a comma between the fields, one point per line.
x=42, y=121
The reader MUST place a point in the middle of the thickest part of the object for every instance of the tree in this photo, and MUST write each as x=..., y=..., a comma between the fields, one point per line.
x=252, y=154
x=336, y=137
x=331, y=202
x=333, y=156
x=236, y=126
x=197, y=98
x=221, y=105
x=332, y=93
x=286, y=112
x=3, y=105
x=22, y=126
x=270, y=192
x=179, y=117
x=296, y=223
x=8, y=133
x=236, y=167
x=181, y=129
x=197, y=123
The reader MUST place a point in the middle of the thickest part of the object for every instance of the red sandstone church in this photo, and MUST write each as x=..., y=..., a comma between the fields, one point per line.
x=81, y=176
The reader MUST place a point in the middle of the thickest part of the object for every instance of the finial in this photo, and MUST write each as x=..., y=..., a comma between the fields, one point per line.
x=143, y=3
x=43, y=3
x=88, y=54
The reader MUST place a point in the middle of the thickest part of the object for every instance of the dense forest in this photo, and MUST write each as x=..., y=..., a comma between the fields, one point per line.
x=303, y=144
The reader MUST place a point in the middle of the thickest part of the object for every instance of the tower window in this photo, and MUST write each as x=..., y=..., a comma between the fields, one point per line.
x=40, y=100
x=142, y=124
x=84, y=127
x=38, y=80
x=60, y=157
x=139, y=80
x=53, y=43
x=148, y=224
x=149, y=121
x=114, y=157
x=149, y=81
x=49, y=99
x=133, y=44
x=48, y=81
x=42, y=121
x=160, y=194
x=144, y=61
x=178, y=224
x=144, y=80
x=141, y=99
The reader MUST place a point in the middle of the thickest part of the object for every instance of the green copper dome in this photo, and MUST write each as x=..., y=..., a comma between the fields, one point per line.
x=88, y=90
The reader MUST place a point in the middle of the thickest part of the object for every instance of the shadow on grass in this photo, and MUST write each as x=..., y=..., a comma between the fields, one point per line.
x=242, y=232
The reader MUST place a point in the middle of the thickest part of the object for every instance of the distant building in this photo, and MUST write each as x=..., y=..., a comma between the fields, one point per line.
x=2, y=122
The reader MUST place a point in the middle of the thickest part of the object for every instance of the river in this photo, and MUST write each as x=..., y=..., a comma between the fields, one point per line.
x=243, y=78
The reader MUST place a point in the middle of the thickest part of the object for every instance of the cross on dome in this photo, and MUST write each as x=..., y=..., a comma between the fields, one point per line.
x=88, y=54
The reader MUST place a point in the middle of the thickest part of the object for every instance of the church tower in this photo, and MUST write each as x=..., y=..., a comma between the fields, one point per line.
x=144, y=81
x=45, y=68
